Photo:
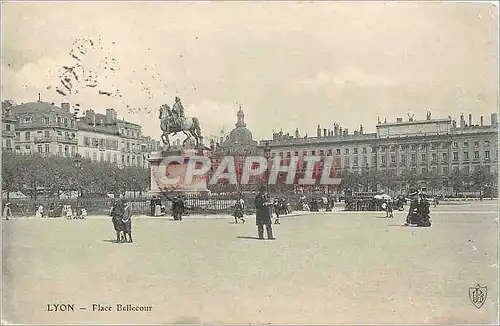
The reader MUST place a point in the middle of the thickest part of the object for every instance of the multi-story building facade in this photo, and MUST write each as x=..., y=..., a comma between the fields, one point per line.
x=8, y=126
x=104, y=137
x=50, y=130
x=44, y=128
x=419, y=146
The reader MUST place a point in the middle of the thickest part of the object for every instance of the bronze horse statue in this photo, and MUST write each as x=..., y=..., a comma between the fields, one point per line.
x=172, y=125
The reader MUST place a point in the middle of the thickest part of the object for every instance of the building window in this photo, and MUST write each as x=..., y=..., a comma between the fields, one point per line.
x=101, y=157
x=466, y=169
x=40, y=148
x=73, y=150
x=455, y=144
x=455, y=156
x=47, y=148
x=488, y=168
x=424, y=146
x=455, y=169
x=355, y=150
x=46, y=120
x=27, y=135
x=355, y=161
x=18, y=148
x=288, y=154
x=313, y=153
x=393, y=148
x=423, y=158
x=382, y=148
x=466, y=156
x=296, y=153
x=476, y=155
x=18, y=135
x=28, y=147
x=476, y=144
x=86, y=141
x=424, y=170
x=321, y=152
x=72, y=123
x=403, y=159
x=487, y=155
x=58, y=119
x=65, y=121
x=382, y=159
x=7, y=127
x=413, y=158
x=413, y=147
x=466, y=144
x=445, y=170
x=304, y=153
x=363, y=150
x=346, y=161
x=444, y=156
x=114, y=158
x=27, y=119
x=486, y=143
x=47, y=134
x=393, y=159
x=94, y=156
x=365, y=160
x=433, y=158
x=337, y=151
x=60, y=149
x=66, y=150
x=330, y=152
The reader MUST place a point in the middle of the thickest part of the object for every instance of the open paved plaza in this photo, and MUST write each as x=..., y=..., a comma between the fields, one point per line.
x=339, y=267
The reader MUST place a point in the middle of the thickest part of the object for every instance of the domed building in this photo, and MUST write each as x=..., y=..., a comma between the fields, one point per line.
x=240, y=138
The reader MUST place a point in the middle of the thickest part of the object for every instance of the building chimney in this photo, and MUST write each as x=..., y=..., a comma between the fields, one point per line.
x=335, y=129
x=324, y=132
x=297, y=133
x=494, y=119
x=346, y=132
x=65, y=106
x=318, y=131
x=39, y=97
x=470, y=120
x=89, y=114
x=482, y=120
x=462, y=121
x=399, y=119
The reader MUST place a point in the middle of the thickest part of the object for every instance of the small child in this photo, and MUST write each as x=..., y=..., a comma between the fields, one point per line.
x=389, y=208
x=69, y=212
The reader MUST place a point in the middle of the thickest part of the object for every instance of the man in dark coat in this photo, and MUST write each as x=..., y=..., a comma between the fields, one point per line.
x=152, y=205
x=263, y=215
x=116, y=214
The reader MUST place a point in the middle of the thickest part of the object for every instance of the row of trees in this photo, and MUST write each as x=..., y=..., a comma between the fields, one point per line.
x=457, y=181
x=51, y=175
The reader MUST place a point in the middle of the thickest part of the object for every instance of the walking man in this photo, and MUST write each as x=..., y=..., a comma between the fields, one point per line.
x=127, y=221
x=263, y=216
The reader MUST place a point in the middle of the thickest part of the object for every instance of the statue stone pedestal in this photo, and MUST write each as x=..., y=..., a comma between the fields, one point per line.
x=161, y=170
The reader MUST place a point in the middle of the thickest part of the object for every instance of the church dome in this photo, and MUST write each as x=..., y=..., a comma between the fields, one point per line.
x=240, y=136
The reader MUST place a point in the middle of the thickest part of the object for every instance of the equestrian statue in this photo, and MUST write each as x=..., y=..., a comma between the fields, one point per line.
x=174, y=121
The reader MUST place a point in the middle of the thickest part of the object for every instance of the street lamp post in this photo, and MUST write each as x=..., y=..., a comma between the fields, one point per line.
x=267, y=154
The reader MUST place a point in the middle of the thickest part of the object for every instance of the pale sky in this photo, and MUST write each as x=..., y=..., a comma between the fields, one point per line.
x=289, y=64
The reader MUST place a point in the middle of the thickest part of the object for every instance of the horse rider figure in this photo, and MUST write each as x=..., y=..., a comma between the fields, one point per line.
x=178, y=112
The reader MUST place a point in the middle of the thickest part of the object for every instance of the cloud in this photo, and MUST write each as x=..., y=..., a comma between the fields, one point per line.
x=348, y=77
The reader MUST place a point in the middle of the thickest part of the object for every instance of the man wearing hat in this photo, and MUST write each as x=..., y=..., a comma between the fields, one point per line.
x=414, y=204
x=263, y=216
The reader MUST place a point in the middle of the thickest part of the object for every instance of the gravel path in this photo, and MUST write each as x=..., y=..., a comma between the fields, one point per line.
x=334, y=267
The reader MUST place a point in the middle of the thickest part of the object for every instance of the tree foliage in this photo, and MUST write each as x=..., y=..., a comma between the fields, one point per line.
x=53, y=175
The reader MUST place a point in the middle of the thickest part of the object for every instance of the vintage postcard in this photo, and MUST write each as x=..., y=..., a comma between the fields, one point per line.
x=249, y=162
